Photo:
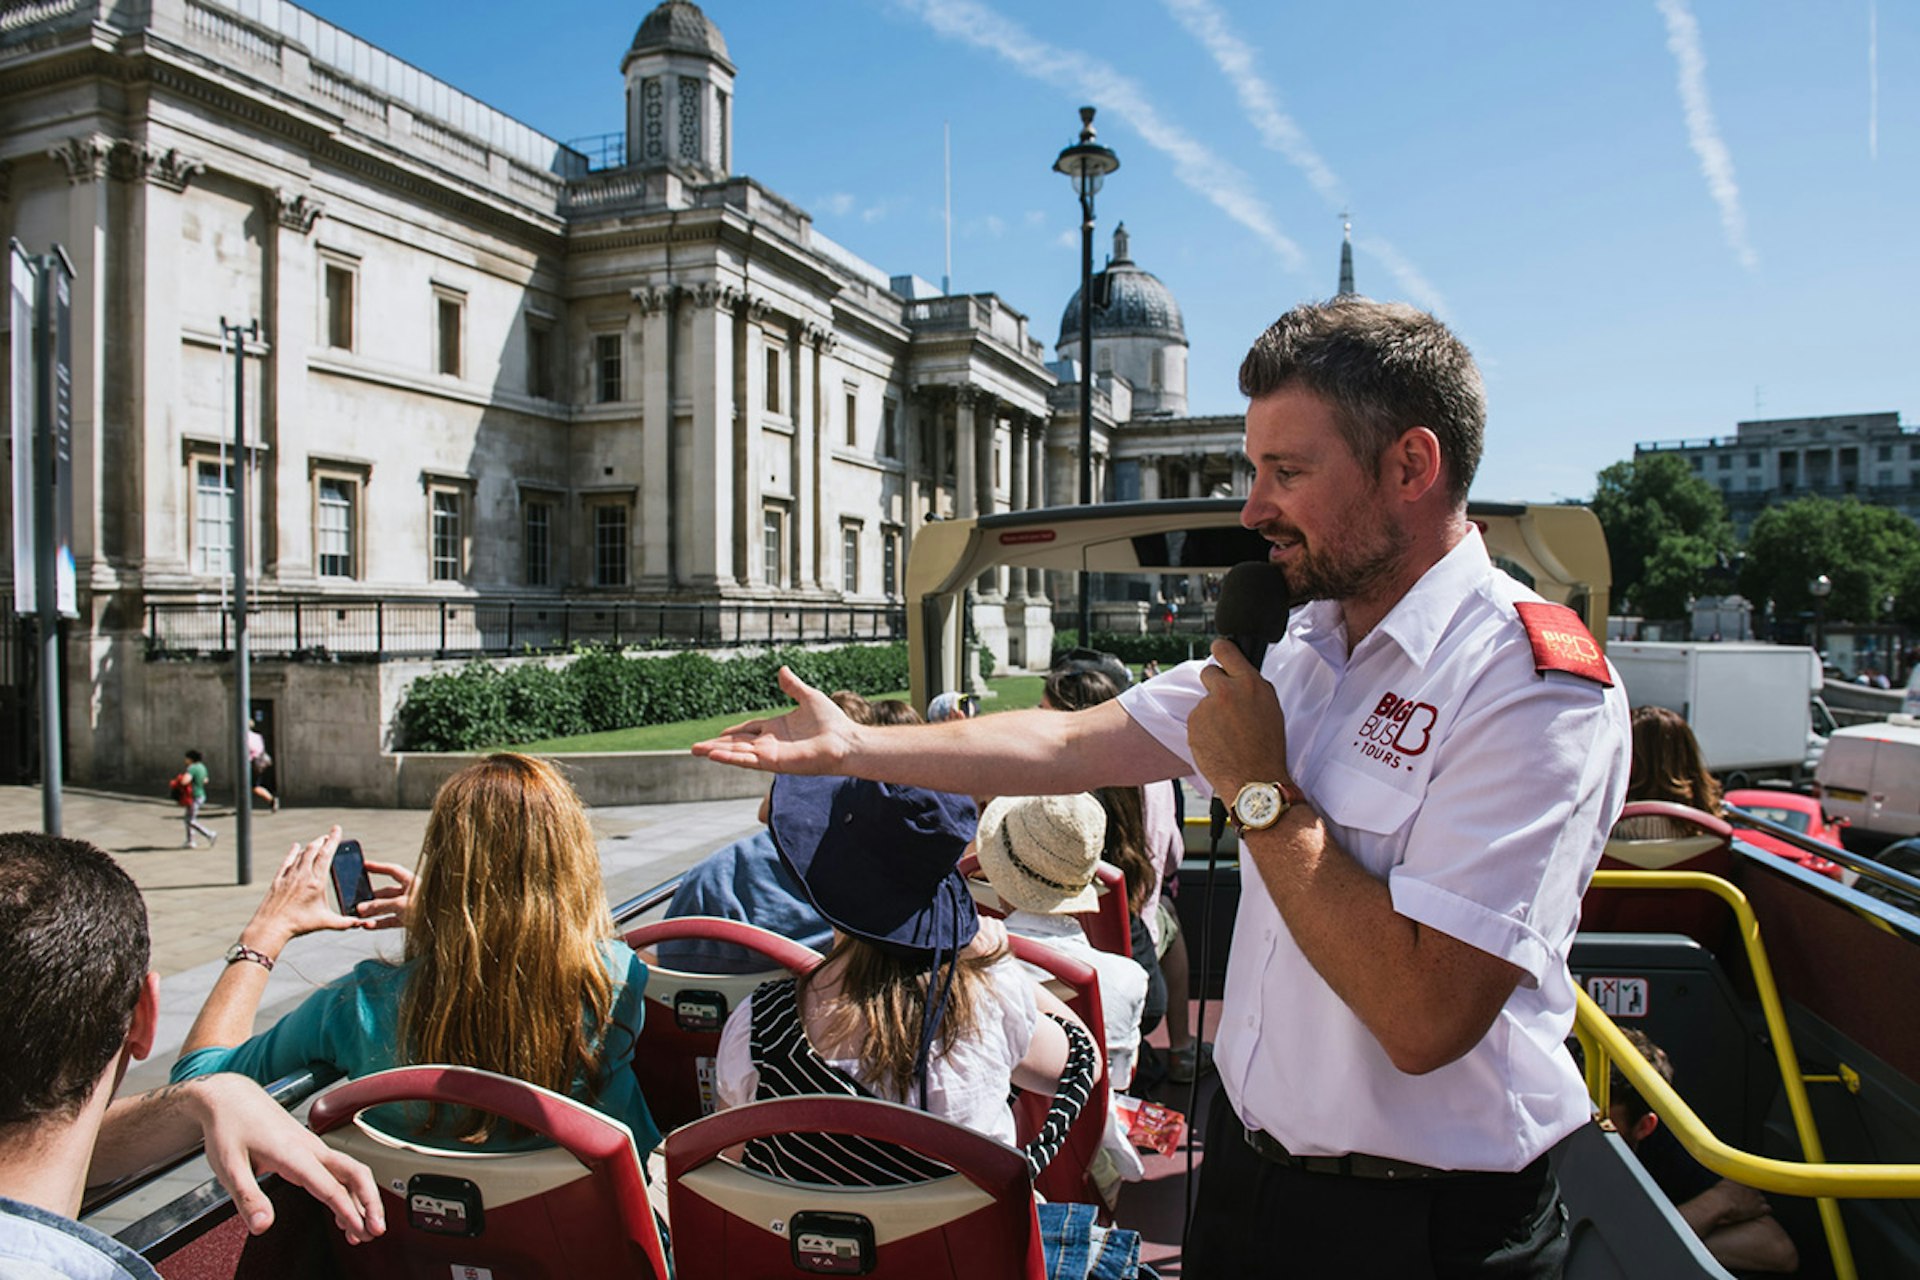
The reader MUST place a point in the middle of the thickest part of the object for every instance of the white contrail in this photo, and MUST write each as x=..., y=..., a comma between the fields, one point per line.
x=1195, y=164
x=1716, y=163
x=1236, y=58
x=1873, y=80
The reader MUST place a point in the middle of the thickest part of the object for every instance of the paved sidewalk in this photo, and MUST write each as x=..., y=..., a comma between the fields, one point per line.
x=196, y=909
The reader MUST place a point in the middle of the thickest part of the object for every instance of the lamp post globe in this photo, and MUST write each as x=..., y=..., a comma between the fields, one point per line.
x=1086, y=164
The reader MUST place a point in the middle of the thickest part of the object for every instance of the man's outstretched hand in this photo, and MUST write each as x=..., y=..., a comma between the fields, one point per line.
x=815, y=737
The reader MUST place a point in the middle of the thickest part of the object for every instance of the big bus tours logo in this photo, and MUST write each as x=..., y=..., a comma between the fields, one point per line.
x=1396, y=728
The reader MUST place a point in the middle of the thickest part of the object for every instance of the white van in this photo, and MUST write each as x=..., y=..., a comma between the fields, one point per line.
x=1869, y=775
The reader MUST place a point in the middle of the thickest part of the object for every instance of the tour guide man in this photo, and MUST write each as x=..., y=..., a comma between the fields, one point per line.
x=1423, y=771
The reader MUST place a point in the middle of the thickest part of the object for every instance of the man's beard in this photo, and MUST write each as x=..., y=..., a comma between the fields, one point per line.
x=1343, y=572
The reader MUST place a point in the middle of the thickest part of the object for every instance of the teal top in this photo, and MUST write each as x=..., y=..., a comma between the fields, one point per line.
x=197, y=771
x=353, y=1026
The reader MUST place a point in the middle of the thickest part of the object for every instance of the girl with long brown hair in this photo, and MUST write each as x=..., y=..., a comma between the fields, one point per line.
x=915, y=1002
x=511, y=964
x=1667, y=765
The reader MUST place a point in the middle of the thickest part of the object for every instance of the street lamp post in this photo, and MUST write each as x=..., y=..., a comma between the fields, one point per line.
x=1086, y=164
x=1820, y=588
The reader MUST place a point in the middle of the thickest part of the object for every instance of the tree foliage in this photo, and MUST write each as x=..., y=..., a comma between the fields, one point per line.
x=1868, y=552
x=1666, y=529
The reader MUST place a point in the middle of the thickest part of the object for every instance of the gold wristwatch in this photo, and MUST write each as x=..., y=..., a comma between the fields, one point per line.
x=1258, y=806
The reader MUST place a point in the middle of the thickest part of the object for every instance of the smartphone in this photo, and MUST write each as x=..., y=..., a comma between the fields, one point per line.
x=350, y=884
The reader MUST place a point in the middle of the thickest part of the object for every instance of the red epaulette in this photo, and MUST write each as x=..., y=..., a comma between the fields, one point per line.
x=1561, y=642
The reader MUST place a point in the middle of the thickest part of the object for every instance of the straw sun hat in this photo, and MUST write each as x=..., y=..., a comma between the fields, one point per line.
x=1040, y=852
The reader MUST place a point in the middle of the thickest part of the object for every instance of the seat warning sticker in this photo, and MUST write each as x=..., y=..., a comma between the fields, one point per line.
x=1619, y=997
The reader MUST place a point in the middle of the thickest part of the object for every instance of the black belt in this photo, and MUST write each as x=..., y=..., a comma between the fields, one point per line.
x=1357, y=1164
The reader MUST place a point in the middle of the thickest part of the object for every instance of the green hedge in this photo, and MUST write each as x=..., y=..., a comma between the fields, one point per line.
x=1134, y=648
x=481, y=706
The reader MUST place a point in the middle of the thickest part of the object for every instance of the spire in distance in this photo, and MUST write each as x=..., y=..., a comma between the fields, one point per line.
x=1346, y=257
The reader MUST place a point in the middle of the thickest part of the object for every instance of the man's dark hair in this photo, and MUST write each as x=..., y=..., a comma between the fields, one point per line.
x=1077, y=688
x=1107, y=664
x=1620, y=1090
x=73, y=957
x=1385, y=368
x=195, y=756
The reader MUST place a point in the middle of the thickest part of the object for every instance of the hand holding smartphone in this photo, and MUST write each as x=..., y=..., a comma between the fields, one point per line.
x=351, y=887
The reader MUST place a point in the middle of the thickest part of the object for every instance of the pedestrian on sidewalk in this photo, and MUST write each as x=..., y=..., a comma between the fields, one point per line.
x=196, y=772
x=260, y=766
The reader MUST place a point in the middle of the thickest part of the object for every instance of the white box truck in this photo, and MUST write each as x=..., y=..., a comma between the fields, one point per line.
x=1750, y=705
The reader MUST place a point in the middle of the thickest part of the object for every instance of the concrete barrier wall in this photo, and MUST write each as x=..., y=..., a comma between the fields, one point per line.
x=601, y=778
x=331, y=743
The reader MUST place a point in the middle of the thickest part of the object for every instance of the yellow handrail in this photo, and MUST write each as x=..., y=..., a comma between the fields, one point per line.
x=1814, y=1177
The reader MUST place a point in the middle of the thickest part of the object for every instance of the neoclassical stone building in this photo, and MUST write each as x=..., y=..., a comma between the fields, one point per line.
x=486, y=364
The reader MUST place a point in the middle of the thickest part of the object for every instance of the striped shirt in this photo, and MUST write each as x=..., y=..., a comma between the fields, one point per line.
x=788, y=1066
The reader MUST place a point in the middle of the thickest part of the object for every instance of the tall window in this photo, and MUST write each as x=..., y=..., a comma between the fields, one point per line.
x=773, y=530
x=773, y=379
x=890, y=561
x=853, y=418
x=539, y=544
x=539, y=358
x=446, y=535
x=889, y=430
x=850, y=558
x=450, y=312
x=333, y=529
x=212, y=517
x=608, y=384
x=339, y=290
x=610, y=546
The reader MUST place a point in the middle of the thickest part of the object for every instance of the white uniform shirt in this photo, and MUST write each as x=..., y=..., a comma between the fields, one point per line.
x=1481, y=791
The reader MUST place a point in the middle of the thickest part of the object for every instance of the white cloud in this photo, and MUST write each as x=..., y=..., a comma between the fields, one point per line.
x=1068, y=239
x=840, y=203
x=1196, y=165
x=996, y=225
x=1035, y=217
x=1236, y=59
x=1716, y=162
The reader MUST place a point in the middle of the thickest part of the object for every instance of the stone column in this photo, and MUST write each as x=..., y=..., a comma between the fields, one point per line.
x=1150, y=477
x=288, y=499
x=1037, y=492
x=986, y=424
x=709, y=549
x=822, y=342
x=1018, y=428
x=660, y=493
x=966, y=457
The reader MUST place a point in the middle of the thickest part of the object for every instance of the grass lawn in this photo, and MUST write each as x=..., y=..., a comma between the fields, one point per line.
x=1010, y=694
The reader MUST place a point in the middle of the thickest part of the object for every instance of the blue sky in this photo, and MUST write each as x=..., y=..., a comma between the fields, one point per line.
x=1650, y=220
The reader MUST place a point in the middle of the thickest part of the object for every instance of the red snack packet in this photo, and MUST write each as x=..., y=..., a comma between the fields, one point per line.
x=1151, y=1126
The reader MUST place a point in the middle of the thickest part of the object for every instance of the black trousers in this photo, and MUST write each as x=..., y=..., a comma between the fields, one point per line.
x=1258, y=1218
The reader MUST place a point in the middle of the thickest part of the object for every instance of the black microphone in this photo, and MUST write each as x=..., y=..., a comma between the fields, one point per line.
x=1252, y=610
x=1252, y=613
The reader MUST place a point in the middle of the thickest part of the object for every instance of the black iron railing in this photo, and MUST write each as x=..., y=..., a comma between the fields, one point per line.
x=324, y=629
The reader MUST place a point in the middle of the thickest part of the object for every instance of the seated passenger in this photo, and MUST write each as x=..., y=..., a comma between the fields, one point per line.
x=746, y=881
x=80, y=1005
x=915, y=1003
x=511, y=964
x=1075, y=684
x=1733, y=1220
x=1039, y=854
x=1667, y=765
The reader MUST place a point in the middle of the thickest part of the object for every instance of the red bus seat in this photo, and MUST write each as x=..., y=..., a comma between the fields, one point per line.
x=1654, y=835
x=673, y=1057
x=978, y=1222
x=1066, y=1177
x=578, y=1208
x=1108, y=927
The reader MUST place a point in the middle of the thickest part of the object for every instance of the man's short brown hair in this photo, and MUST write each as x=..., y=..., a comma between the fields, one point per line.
x=73, y=958
x=1385, y=368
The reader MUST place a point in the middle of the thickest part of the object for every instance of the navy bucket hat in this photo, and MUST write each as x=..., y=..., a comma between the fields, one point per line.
x=879, y=860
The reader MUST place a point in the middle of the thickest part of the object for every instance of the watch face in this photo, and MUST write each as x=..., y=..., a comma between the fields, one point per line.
x=1257, y=805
